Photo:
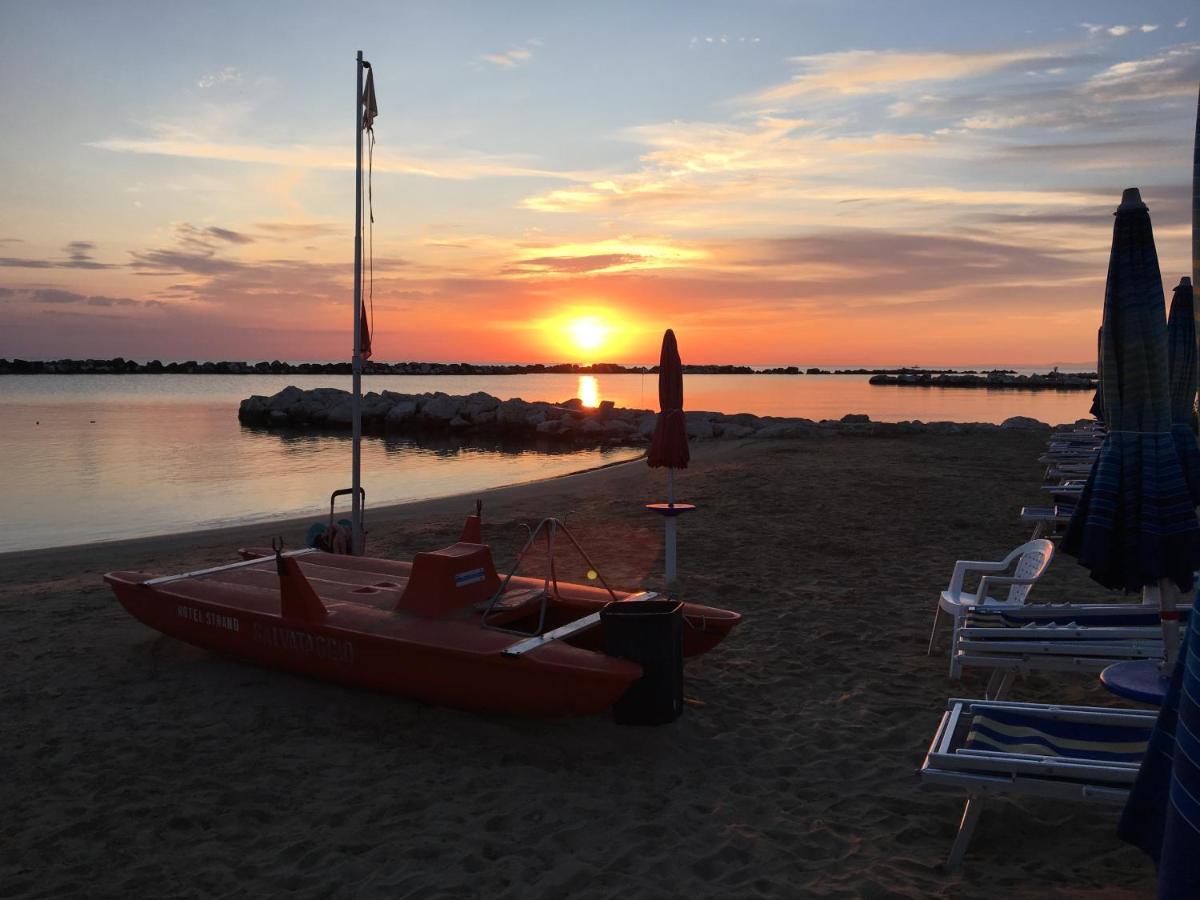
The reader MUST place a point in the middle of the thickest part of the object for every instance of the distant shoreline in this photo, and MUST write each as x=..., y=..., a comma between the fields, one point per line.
x=121, y=366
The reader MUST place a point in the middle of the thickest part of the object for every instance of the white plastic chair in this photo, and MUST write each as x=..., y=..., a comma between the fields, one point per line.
x=1027, y=563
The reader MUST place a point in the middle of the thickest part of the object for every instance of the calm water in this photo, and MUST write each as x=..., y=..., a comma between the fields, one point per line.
x=87, y=458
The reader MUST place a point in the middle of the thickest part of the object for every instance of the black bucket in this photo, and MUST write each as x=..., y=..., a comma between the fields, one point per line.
x=649, y=632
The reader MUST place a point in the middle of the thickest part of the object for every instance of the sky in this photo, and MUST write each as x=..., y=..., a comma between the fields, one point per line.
x=783, y=183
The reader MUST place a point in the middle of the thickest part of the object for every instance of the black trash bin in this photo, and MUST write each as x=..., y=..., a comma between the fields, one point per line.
x=649, y=632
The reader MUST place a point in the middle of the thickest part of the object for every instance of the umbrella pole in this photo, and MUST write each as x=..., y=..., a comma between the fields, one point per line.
x=1166, y=593
x=669, y=525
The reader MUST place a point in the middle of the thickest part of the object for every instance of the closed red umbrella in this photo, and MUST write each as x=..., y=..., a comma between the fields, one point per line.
x=669, y=447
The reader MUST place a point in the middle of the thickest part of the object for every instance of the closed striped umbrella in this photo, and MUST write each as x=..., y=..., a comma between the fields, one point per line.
x=1163, y=813
x=1135, y=525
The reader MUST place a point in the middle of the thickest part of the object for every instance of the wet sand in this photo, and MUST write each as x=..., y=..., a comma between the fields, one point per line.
x=134, y=765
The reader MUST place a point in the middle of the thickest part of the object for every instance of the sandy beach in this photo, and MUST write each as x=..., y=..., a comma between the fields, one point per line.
x=135, y=766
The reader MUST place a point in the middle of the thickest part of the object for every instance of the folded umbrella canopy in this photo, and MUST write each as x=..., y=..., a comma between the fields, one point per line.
x=1162, y=815
x=1181, y=354
x=1135, y=525
x=669, y=447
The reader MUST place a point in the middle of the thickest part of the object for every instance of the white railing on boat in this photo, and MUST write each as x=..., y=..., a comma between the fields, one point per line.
x=167, y=579
x=520, y=648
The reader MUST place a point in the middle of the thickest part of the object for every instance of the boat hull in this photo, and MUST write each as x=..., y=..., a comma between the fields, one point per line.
x=357, y=621
x=434, y=662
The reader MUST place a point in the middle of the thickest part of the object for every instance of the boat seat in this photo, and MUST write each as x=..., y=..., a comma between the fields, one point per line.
x=447, y=580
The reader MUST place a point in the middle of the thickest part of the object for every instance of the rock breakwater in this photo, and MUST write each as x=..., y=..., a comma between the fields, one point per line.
x=569, y=421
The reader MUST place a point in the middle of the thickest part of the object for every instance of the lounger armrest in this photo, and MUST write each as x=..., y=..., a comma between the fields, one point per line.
x=963, y=566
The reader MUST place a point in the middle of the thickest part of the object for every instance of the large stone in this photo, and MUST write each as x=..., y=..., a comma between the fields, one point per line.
x=1023, y=423
x=735, y=431
x=441, y=408
x=253, y=408
x=513, y=412
x=698, y=428
x=477, y=403
x=340, y=416
x=402, y=411
x=617, y=428
x=550, y=427
x=285, y=398
x=855, y=419
x=645, y=425
x=278, y=417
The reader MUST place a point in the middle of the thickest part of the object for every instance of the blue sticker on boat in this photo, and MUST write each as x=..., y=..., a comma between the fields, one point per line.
x=471, y=576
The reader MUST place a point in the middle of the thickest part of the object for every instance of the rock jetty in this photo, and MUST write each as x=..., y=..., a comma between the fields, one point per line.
x=569, y=422
x=1051, y=381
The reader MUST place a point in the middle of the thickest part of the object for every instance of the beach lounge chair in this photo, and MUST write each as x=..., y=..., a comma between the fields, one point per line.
x=984, y=748
x=1048, y=521
x=1027, y=564
x=1009, y=649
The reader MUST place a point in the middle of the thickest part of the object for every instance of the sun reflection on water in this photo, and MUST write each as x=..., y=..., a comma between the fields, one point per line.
x=589, y=391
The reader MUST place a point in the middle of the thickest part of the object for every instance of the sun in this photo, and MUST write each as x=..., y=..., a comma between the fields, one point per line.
x=588, y=333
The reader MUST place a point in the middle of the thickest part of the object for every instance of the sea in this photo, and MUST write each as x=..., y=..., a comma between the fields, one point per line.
x=87, y=458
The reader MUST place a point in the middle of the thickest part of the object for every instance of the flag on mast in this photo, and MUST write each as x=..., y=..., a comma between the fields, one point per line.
x=370, y=107
x=370, y=111
x=365, y=337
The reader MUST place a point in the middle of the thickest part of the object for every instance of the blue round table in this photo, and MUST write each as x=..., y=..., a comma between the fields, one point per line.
x=1136, y=679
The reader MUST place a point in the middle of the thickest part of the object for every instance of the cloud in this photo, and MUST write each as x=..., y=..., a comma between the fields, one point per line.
x=1146, y=29
x=1119, y=30
x=59, y=297
x=514, y=56
x=224, y=234
x=740, y=161
x=78, y=255
x=614, y=255
x=299, y=230
x=1182, y=23
x=227, y=75
x=1172, y=73
x=566, y=265
x=170, y=141
x=855, y=72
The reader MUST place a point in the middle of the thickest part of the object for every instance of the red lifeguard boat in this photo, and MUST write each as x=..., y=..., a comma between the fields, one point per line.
x=444, y=628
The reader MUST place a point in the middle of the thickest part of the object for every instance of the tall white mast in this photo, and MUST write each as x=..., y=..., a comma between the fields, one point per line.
x=356, y=514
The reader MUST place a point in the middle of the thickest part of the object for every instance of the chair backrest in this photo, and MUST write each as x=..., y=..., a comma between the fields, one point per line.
x=1032, y=559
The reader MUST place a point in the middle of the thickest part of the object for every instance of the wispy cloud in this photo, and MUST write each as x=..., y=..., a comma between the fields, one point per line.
x=851, y=72
x=171, y=141
x=77, y=255
x=1171, y=73
x=59, y=297
x=226, y=75
x=513, y=56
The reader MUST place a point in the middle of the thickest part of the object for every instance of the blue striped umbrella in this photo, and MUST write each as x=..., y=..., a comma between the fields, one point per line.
x=1181, y=353
x=1162, y=815
x=1135, y=525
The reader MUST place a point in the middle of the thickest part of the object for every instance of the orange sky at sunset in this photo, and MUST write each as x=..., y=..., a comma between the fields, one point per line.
x=778, y=186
